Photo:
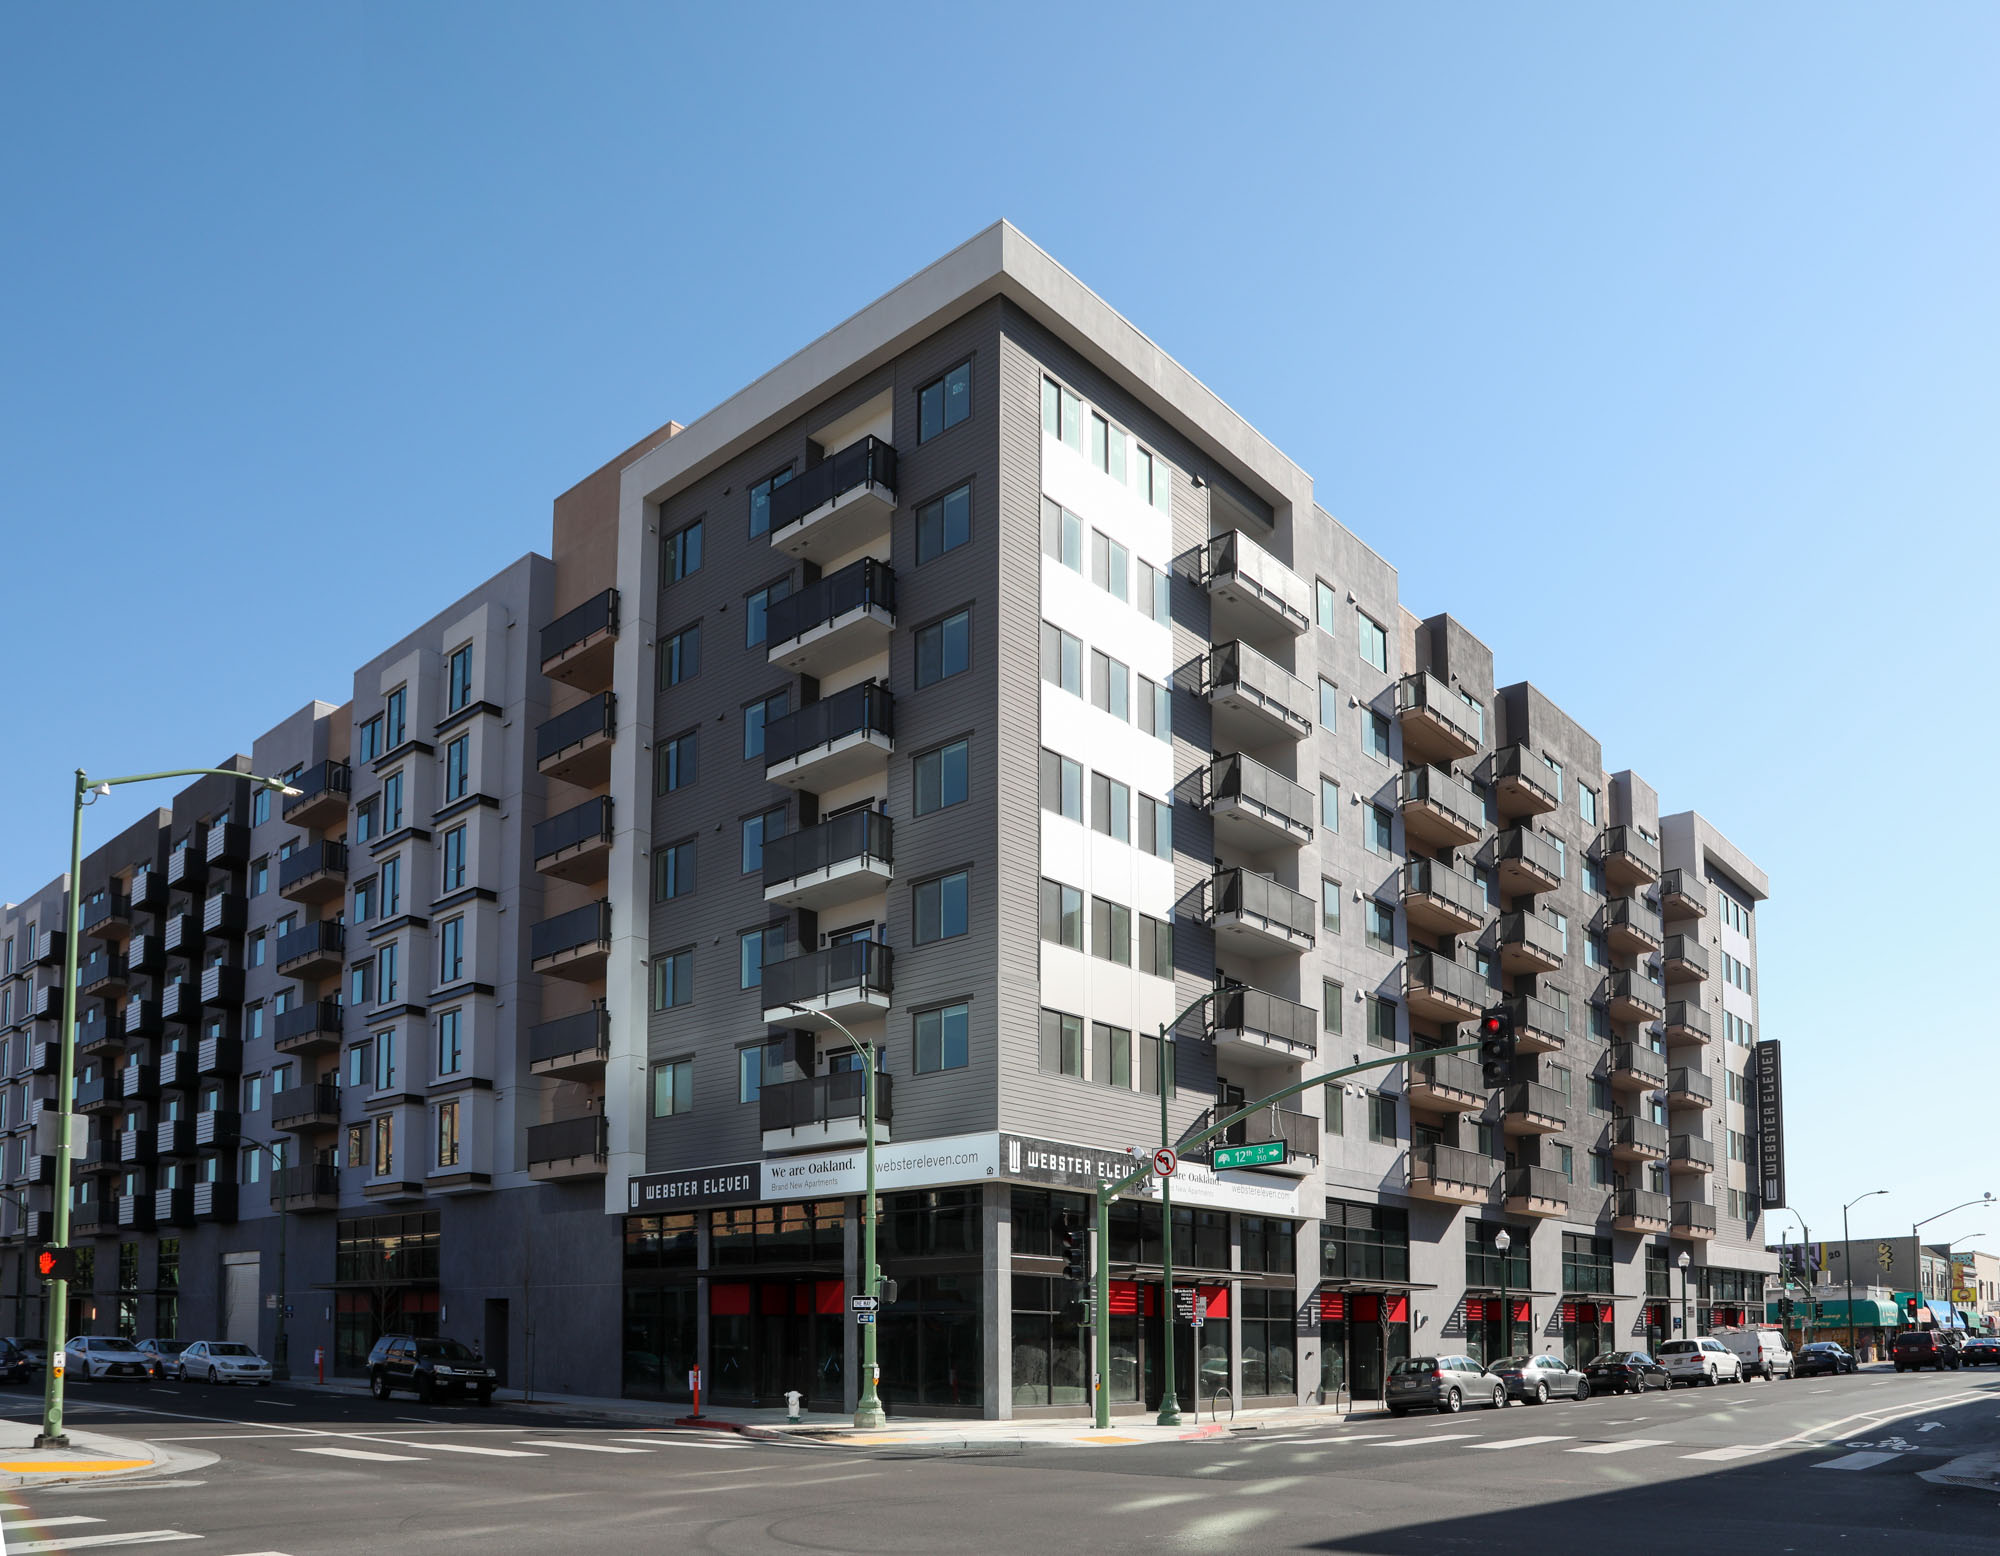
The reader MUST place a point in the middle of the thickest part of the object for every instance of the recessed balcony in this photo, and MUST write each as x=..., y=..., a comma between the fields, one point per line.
x=843, y=859
x=98, y=1033
x=137, y=1147
x=575, y=745
x=309, y=1109
x=181, y=1002
x=1526, y=862
x=578, y=645
x=222, y=987
x=46, y=1003
x=575, y=844
x=573, y=945
x=187, y=862
x=569, y=1148
x=1635, y=1139
x=837, y=621
x=311, y=1028
x=1436, y=988
x=1438, y=724
x=1253, y=916
x=99, y=1093
x=821, y=1111
x=322, y=802
x=1447, y=1083
x=1682, y=896
x=225, y=916
x=314, y=1186
x=1683, y=960
x=219, y=1058
x=148, y=891
x=1694, y=1220
x=1686, y=1023
x=1635, y=1067
x=107, y=916
x=1540, y=1192
x=141, y=1018
x=575, y=1045
x=1529, y=943
x=44, y=1058
x=1524, y=783
x=1257, y=807
x=1690, y=1154
x=1253, y=700
x=1632, y=928
x=1250, y=1026
x=312, y=951
x=102, y=974
x=316, y=872
x=215, y=1201
x=1440, y=810
x=1529, y=1108
x=1640, y=1210
x=1688, y=1087
x=1446, y=1175
x=849, y=982
x=179, y=1070
x=1441, y=898
x=1633, y=996
x=1251, y=593
x=838, y=505
x=228, y=846
x=218, y=1129
x=1628, y=859
x=847, y=736
x=145, y=954
x=138, y=1082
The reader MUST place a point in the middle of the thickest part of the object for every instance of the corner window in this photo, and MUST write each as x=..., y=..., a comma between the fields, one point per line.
x=944, y=402
x=941, y=1039
x=944, y=649
x=944, y=525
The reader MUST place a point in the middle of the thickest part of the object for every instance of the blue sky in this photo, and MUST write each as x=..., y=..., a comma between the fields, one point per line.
x=1658, y=344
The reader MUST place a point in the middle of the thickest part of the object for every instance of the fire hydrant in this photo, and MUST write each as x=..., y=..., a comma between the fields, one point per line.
x=792, y=1397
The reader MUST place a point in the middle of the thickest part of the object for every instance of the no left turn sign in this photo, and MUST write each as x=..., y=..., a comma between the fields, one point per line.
x=1164, y=1162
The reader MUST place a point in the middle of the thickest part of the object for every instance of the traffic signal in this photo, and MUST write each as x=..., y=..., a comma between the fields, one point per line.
x=1496, y=1046
x=56, y=1264
x=1785, y=1311
x=1912, y=1307
x=1075, y=1254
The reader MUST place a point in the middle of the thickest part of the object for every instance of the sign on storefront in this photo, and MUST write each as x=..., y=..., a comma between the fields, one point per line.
x=1770, y=1122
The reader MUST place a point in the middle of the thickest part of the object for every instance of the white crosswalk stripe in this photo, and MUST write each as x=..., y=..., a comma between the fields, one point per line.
x=491, y=1453
x=1856, y=1461
x=684, y=1442
x=363, y=1454
x=26, y=1517
x=1625, y=1445
x=1438, y=1437
x=1724, y=1455
x=1519, y=1442
x=77, y=1542
x=580, y=1447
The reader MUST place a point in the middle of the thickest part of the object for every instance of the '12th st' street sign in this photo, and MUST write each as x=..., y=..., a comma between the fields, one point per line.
x=1265, y=1153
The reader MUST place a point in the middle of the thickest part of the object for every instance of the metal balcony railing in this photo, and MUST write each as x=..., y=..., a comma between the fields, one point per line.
x=1640, y=1133
x=593, y=716
x=581, y=1032
x=1637, y=1060
x=1523, y=1098
x=1276, y=585
x=588, y=1135
x=320, y=781
x=1429, y=878
x=1690, y=1083
x=1448, y=1164
x=1519, y=763
x=1435, y=970
x=597, y=614
x=589, y=925
x=1257, y=896
x=1425, y=692
x=864, y=709
x=857, y=834
x=311, y=860
x=588, y=822
x=1429, y=785
x=1239, y=777
x=322, y=937
x=821, y=1099
x=869, y=462
x=1450, y=1072
x=1276, y=688
x=853, y=587
x=864, y=966
x=1265, y=1015
x=1541, y=1183
x=1643, y=1205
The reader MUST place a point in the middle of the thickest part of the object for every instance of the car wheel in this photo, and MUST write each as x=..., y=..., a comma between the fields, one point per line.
x=1710, y=1380
x=1541, y=1393
x=1582, y=1390
x=426, y=1391
x=1499, y=1398
x=1453, y=1402
x=378, y=1386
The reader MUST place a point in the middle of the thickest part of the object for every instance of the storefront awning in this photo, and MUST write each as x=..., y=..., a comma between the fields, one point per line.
x=1377, y=1286
x=1868, y=1314
x=1942, y=1314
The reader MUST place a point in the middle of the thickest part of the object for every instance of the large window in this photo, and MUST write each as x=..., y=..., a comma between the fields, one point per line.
x=1062, y=786
x=1110, y=566
x=1110, y=685
x=1110, y=808
x=1111, y=931
x=458, y=679
x=1111, y=1055
x=1269, y=1244
x=457, y=768
x=944, y=648
x=939, y=778
x=680, y=553
x=944, y=525
x=450, y=1042
x=1364, y=1242
x=1062, y=915
x=673, y=870
x=944, y=402
x=759, y=830
x=1374, y=641
x=757, y=611
x=1061, y=1043
x=680, y=655
x=756, y=715
x=674, y=763
x=1482, y=1258
x=1062, y=535
x=1049, y=1367
x=1270, y=1357
x=757, y=949
x=941, y=908
x=453, y=877
x=942, y=1039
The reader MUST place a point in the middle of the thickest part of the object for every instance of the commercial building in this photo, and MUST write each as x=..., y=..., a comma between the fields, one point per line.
x=977, y=684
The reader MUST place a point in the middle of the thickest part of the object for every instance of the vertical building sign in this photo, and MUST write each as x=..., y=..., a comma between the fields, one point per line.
x=1770, y=1123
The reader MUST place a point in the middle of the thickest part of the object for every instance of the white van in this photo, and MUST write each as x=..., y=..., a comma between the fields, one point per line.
x=1762, y=1352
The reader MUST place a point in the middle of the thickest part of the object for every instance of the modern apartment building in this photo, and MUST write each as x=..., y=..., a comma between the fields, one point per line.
x=978, y=690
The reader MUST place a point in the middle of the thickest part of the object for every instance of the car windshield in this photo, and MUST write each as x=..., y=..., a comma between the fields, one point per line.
x=228, y=1348
x=1678, y=1347
x=1513, y=1361
x=1415, y=1364
x=109, y=1344
x=1615, y=1358
x=444, y=1350
x=170, y=1347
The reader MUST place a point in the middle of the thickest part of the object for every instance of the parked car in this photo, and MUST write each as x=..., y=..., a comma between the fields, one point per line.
x=224, y=1361
x=1824, y=1357
x=1537, y=1379
x=430, y=1369
x=1762, y=1352
x=34, y=1347
x=1627, y=1372
x=93, y=1357
x=165, y=1356
x=1914, y=1348
x=16, y=1366
x=1445, y=1384
x=1706, y=1360
x=1981, y=1350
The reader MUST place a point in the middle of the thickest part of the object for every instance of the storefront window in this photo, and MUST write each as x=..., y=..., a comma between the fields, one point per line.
x=660, y=1242
x=1038, y=1215
x=1268, y=1245
x=930, y=1341
x=1482, y=1259
x=1050, y=1361
x=929, y=1223
x=660, y=1340
x=1364, y=1242
x=1270, y=1347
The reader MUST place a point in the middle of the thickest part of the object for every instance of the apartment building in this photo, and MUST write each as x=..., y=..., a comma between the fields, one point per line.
x=975, y=690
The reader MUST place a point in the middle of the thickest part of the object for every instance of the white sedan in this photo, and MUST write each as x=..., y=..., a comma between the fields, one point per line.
x=224, y=1361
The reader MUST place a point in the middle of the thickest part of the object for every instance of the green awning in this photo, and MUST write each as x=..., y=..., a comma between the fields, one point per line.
x=1868, y=1314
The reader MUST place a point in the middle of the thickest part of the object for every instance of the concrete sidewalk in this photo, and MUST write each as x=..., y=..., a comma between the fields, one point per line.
x=89, y=1456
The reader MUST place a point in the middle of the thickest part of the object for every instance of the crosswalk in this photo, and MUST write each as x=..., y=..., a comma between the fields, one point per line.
x=409, y=1448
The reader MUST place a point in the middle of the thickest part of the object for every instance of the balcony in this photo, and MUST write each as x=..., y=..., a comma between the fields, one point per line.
x=1447, y=1083
x=98, y=1033
x=838, y=621
x=219, y=1057
x=1688, y=1087
x=101, y=974
x=1436, y=988
x=315, y=1186
x=48, y=948
x=322, y=802
x=1446, y=1175
x=137, y=1082
x=1693, y=1219
x=1442, y=898
x=1683, y=960
x=577, y=646
x=46, y=1004
x=1524, y=784
x=135, y=1212
x=44, y=1058
x=572, y=945
x=222, y=987
x=1682, y=896
x=181, y=1002
x=1438, y=724
x=228, y=846
x=1687, y=1023
x=1638, y=1140
x=142, y=1018
x=1251, y=593
x=575, y=745
x=1254, y=700
x=148, y=891
x=38, y=1172
x=108, y=916
x=1257, y=807
x=1632, y=928
x=183, y=937
x=1297, y=1132
x=215, y=1201
x=1528, y=1108
x=187, y=862
x=1629, y=860
x=312, y=951
x=1635, y=1067
x=841, y=738
x=1536, y=1191
x=145, y=954
x=315, y=873
x=174, y=1207
x=1634, y=997
x=1529, y=944
x=136, y=1147
x=218, y=1129
x=179, y=1070
x=174, y=1138
x=838, y=505
x=225, y=917
x=1526, y=862
x=849, y=982
x=308, y=1109
x=847, y=857
x=1252, y=915
x=821, y=1111
x=575, y=844
x=1439, y=809
x=1690, y=1154
x=1253, y=1027
x=1640, y=1210
x=311, y=1028
x=569, y=1148
x=91, y=1218
x=573, y=1045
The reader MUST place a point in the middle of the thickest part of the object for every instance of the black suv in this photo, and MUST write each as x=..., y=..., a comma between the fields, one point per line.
x=1922, y=1348
x=430, y=1369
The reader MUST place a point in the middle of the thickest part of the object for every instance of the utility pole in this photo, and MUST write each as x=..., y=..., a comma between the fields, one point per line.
x=1847, y=1257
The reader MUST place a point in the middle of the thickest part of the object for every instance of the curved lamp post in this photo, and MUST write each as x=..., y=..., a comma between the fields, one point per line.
x=1847, y=1257
x=1917, y=1246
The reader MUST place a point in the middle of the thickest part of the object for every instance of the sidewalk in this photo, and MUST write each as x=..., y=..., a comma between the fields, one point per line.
x=89, y=1456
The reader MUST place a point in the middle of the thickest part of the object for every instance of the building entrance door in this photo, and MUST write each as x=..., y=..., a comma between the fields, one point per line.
x=768, y=1337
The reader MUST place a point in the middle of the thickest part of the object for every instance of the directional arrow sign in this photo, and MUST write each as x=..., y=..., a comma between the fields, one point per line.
x=863, y=1304
x=1932, y=1426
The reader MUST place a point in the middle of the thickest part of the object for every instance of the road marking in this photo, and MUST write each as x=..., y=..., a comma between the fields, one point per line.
x=491, y=1453
x=1820, y=1391
x=1518, y=1442
x=579, y=1447
x=1932, y=1426
x=1170, y=1499
x=78, y=1542
x=1624, y=1446
x=1856, y=1461
x=362, y=1453
x=1724, y=1455
x=705, y=1442
x=1439, y=1437
x=30, y=1520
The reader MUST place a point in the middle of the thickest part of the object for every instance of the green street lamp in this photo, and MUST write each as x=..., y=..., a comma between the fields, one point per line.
x=1847, y=1257
x=1684, y=1261
x=88, y=791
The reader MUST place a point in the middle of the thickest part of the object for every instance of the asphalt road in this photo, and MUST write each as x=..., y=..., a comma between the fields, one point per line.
x=1821, y=1465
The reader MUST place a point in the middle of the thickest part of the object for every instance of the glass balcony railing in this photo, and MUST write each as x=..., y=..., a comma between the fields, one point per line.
x=869, y=462
x=853, y=587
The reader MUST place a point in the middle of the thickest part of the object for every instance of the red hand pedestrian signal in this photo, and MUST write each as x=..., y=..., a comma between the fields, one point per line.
x=56, y=1264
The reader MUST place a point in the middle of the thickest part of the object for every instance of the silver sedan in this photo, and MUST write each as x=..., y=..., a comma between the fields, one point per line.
x=1537, y=1379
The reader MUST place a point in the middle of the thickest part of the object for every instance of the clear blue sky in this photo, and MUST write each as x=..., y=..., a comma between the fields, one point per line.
x=1656, y=343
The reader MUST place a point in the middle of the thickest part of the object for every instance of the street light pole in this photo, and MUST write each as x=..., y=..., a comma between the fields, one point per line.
x=1847, y=1258
x=87, y=791
x=1684, y=1261
x=1170, y=1400
x=1503, y=1241
x=1916, y=1243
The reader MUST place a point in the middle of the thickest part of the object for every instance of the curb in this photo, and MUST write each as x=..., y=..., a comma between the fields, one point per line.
x=1972, y=1472
x=131, y=1464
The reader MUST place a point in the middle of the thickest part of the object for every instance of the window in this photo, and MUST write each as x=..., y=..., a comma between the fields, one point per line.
x=458, y=679
x=757, y=611
x=1601, y=1174
x=1329, y=704
x=749, y=1073
x=1110, y=808
x=447, y=1134
x=1153, y=480
x=1329, y=905
x=454, y=860
x=388, y=980
x=1154, y=601
x=1381, y=926
x=944, y=525
x=673, y=763
x=1331, y=997
x=944, y=648
x=458, y=768
x=944, y=402
x=451, y=951
x=1596, y=951
x=1111, y=931
x=1110, y=685
x=1562, y=858
x=395, y=710
x=1061, y=914
x=1062, y=659
x=1324, y=600
x=680, y=555
x=1061, y=1043
x=758, y=715
x=1062, y=535
x=1156, y=827
x=368, y=739
x=1381, y=830
x=1110, y=565
x=357, y=1145
x=1377, y=736
x=392, y=803
x=1600, y=1094
x=760, y=501
x=1062, y=786
x=1062, y=414
x=1566, y=1163
x=1329, y=804
x=1111, y=1055
x=260, y=807
x=257, y=947
x=392, y=885
x=1382, y=1119
x=673, y=870
x=260, y=877
x=1381, y=1022
x=1593, y=876
x=385, y=1145
x=756, y=947
x=1586, y=803
x=253, y=1093
x=941, y=1039
x=1374, y=641
x=939, y=778
x=360, y=1066
x=673, y=978
x=673, y=1088
x=450, y=1045
x=1156, y=709
x=680, y=656
x=941, y=908
x=385, y=1059
x=364, y=820
x=1156, y=946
